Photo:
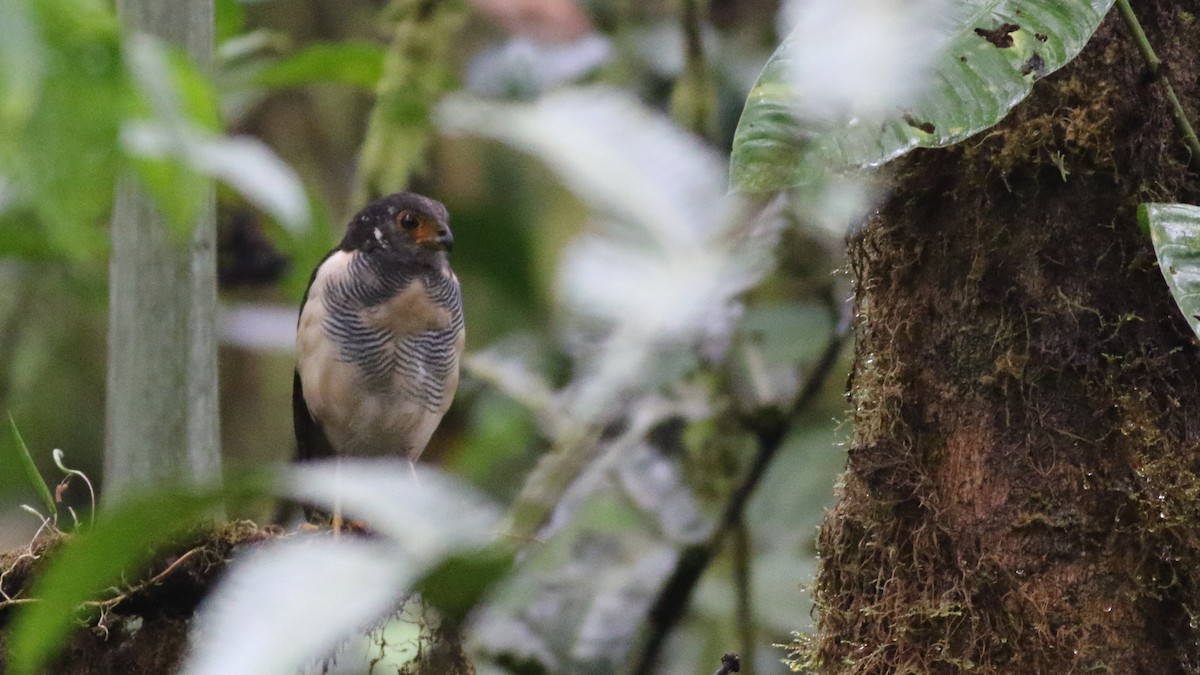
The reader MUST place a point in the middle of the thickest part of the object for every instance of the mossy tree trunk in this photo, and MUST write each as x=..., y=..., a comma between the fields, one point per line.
x=1023, y=488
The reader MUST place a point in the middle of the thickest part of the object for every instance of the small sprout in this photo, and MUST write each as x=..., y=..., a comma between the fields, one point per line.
x=62, y=486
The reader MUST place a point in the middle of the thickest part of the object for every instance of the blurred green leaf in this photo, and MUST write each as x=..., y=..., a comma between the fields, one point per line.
x=355, y=63
x=196, y=94
x=66, y=156
x=498, y=445
x=996, y=51
x=177, y=149
x=31, y=472
x=122, y=540
x=229, y=19
x=22, y=237
x=458, y=583
x=305, y=247
x=1175, y=231
x=176, y=98
x=22, y=66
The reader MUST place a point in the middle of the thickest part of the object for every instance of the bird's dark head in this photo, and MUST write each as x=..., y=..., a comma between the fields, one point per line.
x=403, y=222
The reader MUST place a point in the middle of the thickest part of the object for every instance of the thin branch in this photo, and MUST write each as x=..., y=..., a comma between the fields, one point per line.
x=770, y=428
x=5, y=604
x=744, y=588
x=1154, y=66
x=120, y=597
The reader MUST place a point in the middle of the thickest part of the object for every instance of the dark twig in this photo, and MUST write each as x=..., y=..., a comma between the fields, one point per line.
x=770, y=429
x=1155, y=68
x=730, y=663
x=744, y=589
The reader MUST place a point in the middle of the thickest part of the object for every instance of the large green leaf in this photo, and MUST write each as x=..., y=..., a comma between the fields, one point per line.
x=1175, y=231
x=995, y=51
x=356, y=63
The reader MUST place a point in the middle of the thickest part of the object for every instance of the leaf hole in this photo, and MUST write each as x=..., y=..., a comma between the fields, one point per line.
x=1001, y=36
x=913, y=122
x=1036, y=66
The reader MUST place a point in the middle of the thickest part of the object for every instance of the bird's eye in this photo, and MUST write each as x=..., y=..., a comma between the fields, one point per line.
x=407, y=220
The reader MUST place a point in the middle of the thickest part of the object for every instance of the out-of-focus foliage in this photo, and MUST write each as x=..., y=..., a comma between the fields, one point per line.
x=290, y=604
x=64, y=93
x=123, y=539
x=415, y=74
x=85, y=102
x=176, y=145
x=355, y=63
x=848, y=116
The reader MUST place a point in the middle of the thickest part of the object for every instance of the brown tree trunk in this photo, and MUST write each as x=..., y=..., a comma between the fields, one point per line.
x=1023, y=489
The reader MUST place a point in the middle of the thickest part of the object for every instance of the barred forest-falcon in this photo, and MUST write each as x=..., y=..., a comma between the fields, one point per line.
x=380, y=335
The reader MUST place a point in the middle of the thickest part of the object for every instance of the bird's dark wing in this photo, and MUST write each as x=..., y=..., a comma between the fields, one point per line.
x=311, y=442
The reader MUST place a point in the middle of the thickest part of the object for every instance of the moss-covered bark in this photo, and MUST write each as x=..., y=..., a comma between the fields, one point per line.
x=1023, y=488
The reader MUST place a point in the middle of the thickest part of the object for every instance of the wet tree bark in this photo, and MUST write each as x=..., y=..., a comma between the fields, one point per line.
x=1023, y=487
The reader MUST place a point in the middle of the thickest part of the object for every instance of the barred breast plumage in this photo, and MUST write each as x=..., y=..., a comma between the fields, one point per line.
x=380, y=335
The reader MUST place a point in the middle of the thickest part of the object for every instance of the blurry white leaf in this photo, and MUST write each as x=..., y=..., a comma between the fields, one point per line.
x=290, y=603
x=863, y=57
x=243, y=163
x=663, y=48
x=627, y=161
x=525, y=67
x=258, y=326
x=250, y=44
x=511, y=375
x=672, y=251
x=427, y=513
x=837, y=205
x=663, y=263
x=575, y=604
x=284, y=607
x=147, y=59
x=250, y=167
x=22, y=66
x=672, y=297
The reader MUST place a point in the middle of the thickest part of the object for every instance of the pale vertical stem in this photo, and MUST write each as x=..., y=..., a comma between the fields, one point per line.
x=694, y=99
x=162, y=420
